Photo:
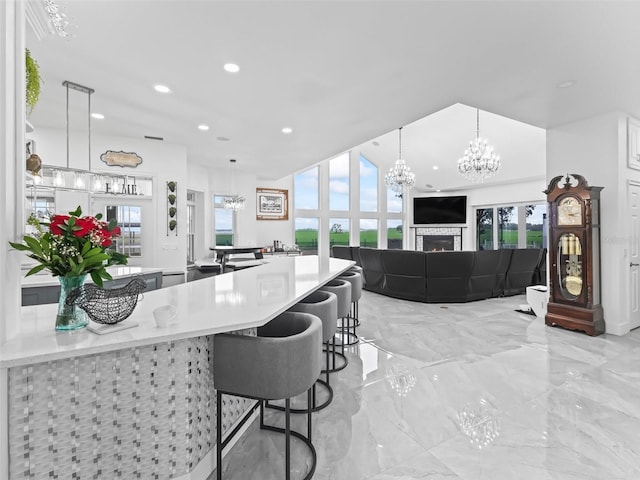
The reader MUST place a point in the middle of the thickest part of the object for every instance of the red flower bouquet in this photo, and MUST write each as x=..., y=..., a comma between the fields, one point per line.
x=73, y=245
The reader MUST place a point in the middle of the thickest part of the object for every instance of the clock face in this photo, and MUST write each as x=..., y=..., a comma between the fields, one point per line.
x=569, y=211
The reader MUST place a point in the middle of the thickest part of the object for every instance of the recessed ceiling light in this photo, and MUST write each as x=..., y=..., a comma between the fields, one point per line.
x=436, y=167
x=438, y=190
x=223, y=139
x=287, y=130
x=231, y=68
x=162, y=88
x=99, y=116
x=566, y=84
x=203, y=127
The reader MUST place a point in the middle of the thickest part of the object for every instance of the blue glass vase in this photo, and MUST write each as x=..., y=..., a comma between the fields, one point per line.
x=70, y=317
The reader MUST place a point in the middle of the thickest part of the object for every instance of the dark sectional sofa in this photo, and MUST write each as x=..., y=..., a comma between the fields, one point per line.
x=440, y=277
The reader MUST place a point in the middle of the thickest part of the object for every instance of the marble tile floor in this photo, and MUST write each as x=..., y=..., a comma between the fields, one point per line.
x=471, y=391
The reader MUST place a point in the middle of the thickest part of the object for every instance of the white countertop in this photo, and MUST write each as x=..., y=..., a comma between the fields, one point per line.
x=233, y=301
x=45, y=279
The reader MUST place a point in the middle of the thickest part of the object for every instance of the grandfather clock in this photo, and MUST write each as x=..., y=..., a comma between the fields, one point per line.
x=574, y=255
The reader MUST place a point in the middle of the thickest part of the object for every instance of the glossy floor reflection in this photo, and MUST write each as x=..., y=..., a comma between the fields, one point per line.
x=470, y=391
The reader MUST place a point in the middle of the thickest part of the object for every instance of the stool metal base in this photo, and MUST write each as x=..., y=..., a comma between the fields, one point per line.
x=332, y=351
x=220, y=444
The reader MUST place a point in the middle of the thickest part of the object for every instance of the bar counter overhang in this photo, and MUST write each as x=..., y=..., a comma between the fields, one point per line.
x=138, y=401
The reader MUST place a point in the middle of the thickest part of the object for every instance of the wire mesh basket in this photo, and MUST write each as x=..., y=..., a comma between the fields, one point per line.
x=108, y=306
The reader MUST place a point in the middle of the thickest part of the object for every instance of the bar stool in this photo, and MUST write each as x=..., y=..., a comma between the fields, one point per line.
x=342, y=289
x=281, y=362
x=324, y=305
x=355, y=279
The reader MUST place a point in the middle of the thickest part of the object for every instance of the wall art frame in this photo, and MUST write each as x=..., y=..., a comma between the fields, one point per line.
x=272, y=204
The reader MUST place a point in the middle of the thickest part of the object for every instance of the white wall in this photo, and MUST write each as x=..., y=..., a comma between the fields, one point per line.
x=596, y=149
x=530, y=192
x=163, y=161
x=282, y=230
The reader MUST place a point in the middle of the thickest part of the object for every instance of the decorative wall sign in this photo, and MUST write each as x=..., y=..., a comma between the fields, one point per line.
x=121, y=159
x=272, y=204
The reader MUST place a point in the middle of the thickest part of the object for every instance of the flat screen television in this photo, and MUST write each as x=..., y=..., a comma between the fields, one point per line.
x=440, y=210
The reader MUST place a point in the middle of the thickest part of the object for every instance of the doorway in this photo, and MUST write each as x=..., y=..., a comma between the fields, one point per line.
x=634, y=255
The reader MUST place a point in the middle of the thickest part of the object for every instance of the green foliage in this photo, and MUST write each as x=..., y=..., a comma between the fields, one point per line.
x=33, y=80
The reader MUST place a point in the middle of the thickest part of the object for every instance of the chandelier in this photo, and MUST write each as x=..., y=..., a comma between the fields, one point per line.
x=234, y=202
x=479, y=161
x=400, y=175
x=57, y=17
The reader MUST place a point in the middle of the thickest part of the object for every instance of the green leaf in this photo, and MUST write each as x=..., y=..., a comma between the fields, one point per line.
x=113, y=223
x=77, y=212
x=98, y=216
x=35, y=270
x=92, y=252
x=106, y=275
x=33, y=244
x=19, y=246
x=95, y=276
x=86, y=248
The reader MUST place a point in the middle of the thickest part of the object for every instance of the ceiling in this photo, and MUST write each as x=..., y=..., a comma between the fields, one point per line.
x=341, y=73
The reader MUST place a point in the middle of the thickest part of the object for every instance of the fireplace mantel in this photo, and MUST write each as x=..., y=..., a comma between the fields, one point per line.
x=454, y=232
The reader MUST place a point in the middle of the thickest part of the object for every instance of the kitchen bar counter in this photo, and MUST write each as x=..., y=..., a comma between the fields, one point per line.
x=223, y=303
x=138, y=403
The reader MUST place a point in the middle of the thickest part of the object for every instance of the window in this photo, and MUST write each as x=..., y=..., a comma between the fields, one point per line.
x=536, y=216
x=339, y=183
x=129, y=221
x=517, y=226
x=307, y=234
x=223, y=222
x=507, y=228
x=191, y=227
x=484, y=229
x=306, y=189
x=338, y=231
x=368, y=186
x=394, y=234
x=394, y=202
x=369, y=232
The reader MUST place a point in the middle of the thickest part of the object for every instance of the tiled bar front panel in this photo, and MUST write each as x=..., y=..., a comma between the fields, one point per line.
x=145, y=412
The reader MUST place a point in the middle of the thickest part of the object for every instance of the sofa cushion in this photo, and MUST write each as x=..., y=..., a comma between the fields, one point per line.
x=448, y=276
x=501, y=271
x=405, y=273
x=373, y=270
x=520, y=274
x=484, y=275
x=341, y=251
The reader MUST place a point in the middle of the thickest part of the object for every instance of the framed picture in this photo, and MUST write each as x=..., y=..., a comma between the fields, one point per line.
x=272, y=204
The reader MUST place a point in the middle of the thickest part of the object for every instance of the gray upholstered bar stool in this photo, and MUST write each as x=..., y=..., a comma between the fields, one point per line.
x=358, y=269
x=282, y=361
x=324, y=305
x=355, y=279
x=342, y=289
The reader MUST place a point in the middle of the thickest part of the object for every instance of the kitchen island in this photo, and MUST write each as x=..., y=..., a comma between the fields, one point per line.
x=138, y=403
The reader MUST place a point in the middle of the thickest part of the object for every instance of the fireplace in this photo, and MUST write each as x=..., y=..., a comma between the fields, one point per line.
x=437, y=243
x=437, y=239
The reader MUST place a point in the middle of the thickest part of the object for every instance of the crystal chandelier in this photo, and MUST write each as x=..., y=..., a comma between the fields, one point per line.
x=234, y=202
x=479, y=161
x=57, y=17
x=400, y=175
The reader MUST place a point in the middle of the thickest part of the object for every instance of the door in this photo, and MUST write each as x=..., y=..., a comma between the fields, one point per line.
x=634, y=255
